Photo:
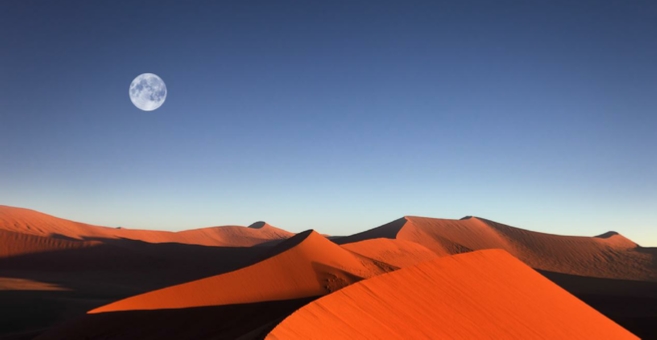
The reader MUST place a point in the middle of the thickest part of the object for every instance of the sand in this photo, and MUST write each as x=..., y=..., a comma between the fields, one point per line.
x=306, y=265
x=480, y=295
x=232, y=281
x=397, y=253
x=31, y=222
x=52, y=269
x=242, y=321
x=607, y=256
x=17, y=244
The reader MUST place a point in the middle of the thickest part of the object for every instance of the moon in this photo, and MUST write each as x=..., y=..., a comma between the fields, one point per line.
x=148, y=92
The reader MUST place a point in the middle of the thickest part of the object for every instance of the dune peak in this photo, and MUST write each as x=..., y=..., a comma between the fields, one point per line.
x=304, y=265
x=608, y=234
x=258, y=225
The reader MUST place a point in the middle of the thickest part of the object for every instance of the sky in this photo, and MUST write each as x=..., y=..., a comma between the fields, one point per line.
x=337, y=116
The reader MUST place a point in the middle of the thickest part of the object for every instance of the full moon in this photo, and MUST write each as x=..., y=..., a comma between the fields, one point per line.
x=148, y=92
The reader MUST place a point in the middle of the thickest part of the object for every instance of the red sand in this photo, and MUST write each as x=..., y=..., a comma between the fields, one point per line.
x=31, y=222
x=397, y=253
x=43, y=257
x=607, y=256
x=480, y=295
x=16, y=244
x=53, y=269
x=306, y=265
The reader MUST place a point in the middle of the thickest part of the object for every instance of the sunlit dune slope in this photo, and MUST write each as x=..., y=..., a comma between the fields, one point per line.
x=480, y=295
x=233, y=236
x=15, y=244
x=305, y=265
x=608, y=256
x=31, y=222
x=398, y=253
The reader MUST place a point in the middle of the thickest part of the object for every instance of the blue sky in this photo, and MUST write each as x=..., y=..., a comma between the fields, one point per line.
x=338, y=116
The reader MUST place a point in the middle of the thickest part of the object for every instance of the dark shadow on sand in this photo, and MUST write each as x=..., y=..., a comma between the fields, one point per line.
x=243, y=321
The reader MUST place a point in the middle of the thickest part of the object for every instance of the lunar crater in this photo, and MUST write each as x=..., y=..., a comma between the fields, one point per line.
x=148, y=92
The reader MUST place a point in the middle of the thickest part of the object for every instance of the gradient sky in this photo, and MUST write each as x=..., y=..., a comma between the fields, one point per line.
x=335, y=115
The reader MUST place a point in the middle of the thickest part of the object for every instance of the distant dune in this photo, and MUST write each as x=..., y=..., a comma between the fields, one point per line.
x=31, y=222
x=81, y=281
x=398, y=253
x=52, y=269
x=607, y=256
x=481, y=295
x=16, y=244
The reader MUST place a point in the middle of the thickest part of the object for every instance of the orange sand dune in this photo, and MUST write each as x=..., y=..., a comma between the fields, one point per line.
x=233, y=236
x=35, y=223
x=46, y=287
x=397, y=253
x=52, y=269
x=608, y=256
x=305, y=265
x=481, y=295
x=16, y=244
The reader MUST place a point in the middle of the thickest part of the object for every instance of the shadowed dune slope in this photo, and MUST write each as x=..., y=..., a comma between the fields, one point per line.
x=43, y=289
x=31, y=222
x=480, y=295
x=632, y=304
x=305, y=265
x=607, y=256
x=243, y=321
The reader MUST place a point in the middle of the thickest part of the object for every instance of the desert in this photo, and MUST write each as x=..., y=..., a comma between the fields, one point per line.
x=415, y=276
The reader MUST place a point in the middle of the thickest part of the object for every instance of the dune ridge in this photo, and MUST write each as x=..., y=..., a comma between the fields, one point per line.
x=397, y=253
x=31, y=222
x=65, y=268
x=607, y=256
x=483, y=294
x=305, y=265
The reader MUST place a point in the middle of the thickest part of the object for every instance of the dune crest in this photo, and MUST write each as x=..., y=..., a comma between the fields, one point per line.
x=261, y=274
x=607, y=256
x=483, y=294
x=303, y=266
x=31, y=222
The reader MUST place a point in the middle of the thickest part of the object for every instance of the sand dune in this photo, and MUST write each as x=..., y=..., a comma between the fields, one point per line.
x=53, y=270
x=16, y=244
x=397, y=253
x=63, y=268
x=232, y=236
x=91, y=277
x=31, y=222
x=306, y=265
x=480, y=295
x=607, y=256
